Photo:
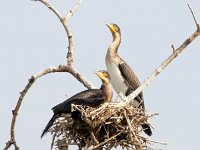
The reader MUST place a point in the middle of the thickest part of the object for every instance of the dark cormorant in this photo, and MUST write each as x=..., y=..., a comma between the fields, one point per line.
x=91, y=97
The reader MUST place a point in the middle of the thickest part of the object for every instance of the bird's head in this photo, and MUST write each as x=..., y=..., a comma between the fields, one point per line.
x=115, y=30
x=103, y=75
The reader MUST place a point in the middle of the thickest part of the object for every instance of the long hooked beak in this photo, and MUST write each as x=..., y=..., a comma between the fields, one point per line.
x=98, y=73
x=110, y=26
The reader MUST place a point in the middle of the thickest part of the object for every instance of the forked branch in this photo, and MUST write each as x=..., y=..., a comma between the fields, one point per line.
x=61, y=68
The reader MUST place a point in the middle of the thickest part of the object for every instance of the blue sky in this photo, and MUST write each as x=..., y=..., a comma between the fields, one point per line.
x=32, y=39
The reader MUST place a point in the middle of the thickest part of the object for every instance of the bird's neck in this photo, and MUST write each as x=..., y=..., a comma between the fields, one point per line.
x=106, y=88
x=115, y=44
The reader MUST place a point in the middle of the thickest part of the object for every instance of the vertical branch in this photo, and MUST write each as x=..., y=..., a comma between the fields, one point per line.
x=67, y=29
x=64, y=21
x=70, y=52
x=69, y=33
x=195, y=20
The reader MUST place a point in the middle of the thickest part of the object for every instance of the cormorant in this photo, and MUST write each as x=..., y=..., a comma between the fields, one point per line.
x=123, y=79
x=91, y=97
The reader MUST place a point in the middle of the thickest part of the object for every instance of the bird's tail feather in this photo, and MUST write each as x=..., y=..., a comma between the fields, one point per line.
x=146, y=128
x=50, y=123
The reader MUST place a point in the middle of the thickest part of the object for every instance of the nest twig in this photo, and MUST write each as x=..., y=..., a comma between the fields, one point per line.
x=108, y=126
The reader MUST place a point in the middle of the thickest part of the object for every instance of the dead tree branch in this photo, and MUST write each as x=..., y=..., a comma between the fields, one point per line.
x=64, y=21
x=175, y=53
x=61, y=68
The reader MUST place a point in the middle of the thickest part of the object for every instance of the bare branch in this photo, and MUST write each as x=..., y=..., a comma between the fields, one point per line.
x=197, y=25
x=157, y=142
x=172, y=46
x=64, y=21
x=138, y=144
x=9, y=143
x=157, y=71
x=45, y=2
x=72, y=11
x=61, y=68
x=101, y=144
x=69, y=33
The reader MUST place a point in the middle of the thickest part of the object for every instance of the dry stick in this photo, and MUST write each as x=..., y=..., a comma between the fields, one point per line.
x=152, y=115
x=197, y=25
x=62, y=68
x=98, y=111
x=101, y=144
x=94, y=138
x=157, y=71
x=62, y=145
x=151, y=141
x=138, y=143
x=52, y=143
x=157, y=142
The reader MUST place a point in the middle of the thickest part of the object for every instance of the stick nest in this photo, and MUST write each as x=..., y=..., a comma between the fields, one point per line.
x=106, y=127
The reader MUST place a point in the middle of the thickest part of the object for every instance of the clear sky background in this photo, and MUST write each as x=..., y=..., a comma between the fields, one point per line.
x=32, y=39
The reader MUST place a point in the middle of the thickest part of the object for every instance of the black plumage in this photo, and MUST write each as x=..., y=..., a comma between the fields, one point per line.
x=91, y=97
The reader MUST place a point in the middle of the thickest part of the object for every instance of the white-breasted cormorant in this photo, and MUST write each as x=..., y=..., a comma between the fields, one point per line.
x=123, y=78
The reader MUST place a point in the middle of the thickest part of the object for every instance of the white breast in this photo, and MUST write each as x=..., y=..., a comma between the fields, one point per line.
x=116, y=79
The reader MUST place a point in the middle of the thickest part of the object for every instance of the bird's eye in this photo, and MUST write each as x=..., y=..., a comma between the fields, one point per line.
x=115, y=27
x=106, y=74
